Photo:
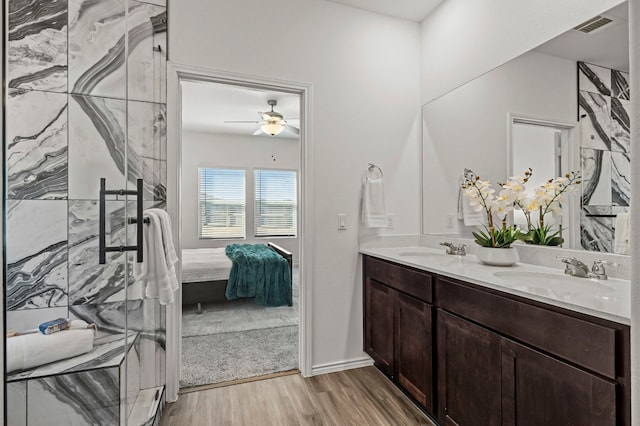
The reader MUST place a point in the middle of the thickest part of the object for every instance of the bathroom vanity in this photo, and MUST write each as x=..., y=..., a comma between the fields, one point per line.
x=472, y=349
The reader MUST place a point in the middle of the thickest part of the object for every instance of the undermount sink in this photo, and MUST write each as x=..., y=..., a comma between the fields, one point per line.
x=556, y=285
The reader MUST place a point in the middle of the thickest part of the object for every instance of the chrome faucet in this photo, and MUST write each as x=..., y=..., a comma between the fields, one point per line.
x=459, y=250
x=598, y=271
x=574, y=267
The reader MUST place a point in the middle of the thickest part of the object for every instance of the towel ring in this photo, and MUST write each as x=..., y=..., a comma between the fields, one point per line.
x=374, y=168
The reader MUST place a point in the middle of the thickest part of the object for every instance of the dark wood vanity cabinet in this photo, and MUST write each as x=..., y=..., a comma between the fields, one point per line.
x=398, y=326
x=499, y=359
x=469, y=383
x=541, y=390
x=379, y=325
x=541, y=365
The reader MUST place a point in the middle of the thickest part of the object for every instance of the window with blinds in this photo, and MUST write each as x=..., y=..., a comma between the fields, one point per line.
x=276, y=203
x=221, y=203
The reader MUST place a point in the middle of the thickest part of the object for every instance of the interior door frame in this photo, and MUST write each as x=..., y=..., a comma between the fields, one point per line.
x=176, y=73
x=570, y=151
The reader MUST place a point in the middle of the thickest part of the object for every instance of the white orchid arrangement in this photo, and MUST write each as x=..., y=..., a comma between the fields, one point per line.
x=547, y=198
x=482, y=196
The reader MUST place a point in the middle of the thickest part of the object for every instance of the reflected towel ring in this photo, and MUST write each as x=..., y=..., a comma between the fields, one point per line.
x=374, y=168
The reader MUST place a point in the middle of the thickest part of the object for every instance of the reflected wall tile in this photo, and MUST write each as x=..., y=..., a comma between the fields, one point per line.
x=97, y=128
x=36, y=156
x=593, y=78
x=620, y=178
x=17, y=404
x=620, y=125
x=36, y=254
x=590, y=102
x=620, y=84
x=596, y=177
x=147, y=149
x=89, y=397
x=97, y=47
x=147, y=60
x=37, y=45
x=595, y=120
x=90, y=282
x=596, y=233
x=620, y=209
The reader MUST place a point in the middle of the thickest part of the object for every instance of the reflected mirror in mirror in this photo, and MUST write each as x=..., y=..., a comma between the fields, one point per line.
x=560, y=107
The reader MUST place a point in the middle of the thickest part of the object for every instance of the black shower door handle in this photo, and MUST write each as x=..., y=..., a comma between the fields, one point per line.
x=139, y=221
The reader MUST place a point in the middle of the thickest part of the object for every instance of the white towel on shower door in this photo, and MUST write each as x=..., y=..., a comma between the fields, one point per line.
x=157, y=272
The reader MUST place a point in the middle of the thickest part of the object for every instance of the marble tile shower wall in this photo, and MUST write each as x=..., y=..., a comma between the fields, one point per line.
x=604, y=104
x=86, y=99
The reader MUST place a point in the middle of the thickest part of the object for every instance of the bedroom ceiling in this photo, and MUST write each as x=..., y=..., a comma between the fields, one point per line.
x=206, y=107
x=413, y=10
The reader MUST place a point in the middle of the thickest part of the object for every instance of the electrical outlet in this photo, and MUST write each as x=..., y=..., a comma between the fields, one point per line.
x=390, y=219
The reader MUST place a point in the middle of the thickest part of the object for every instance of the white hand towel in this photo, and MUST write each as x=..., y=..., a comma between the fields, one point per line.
x=622, y=233
x=465, y=211
x=374, y=213
x=157, y=271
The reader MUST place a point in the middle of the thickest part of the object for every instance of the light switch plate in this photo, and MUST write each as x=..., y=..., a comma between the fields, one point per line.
x=342, y=222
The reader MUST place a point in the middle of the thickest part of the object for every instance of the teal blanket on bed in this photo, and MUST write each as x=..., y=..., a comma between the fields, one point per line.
x=258, y=271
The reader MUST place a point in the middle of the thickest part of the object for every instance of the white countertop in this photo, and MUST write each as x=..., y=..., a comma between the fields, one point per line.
x=607, y=299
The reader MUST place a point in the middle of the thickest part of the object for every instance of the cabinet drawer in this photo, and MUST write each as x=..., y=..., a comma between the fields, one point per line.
x=590, y=345
x=401, y=278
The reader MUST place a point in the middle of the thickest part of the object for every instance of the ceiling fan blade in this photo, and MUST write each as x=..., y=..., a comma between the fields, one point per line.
x=236, y=121
x=292, y=129
x=257, y=132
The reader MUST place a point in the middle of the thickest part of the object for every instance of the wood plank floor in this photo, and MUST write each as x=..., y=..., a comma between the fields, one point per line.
x=361, y=396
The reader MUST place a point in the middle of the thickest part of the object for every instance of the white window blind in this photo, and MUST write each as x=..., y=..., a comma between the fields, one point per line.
x=276, y=203
x=221, y=203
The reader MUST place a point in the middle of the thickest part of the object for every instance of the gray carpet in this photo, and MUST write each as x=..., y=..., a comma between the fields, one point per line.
x=235, y=355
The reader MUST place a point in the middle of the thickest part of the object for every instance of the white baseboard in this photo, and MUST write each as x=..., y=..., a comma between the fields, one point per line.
x=332, y=367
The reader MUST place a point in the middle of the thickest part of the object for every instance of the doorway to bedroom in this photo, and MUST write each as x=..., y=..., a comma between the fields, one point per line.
x=240, y=186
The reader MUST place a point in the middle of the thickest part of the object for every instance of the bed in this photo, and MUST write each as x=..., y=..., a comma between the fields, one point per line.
x=205, y=273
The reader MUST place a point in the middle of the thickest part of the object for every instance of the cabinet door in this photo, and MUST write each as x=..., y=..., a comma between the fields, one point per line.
x=540, y=390
x=378, y=319
x=414, y=359
x=469, y=377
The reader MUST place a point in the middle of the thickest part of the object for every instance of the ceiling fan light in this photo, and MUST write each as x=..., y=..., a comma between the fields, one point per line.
x=272, y=128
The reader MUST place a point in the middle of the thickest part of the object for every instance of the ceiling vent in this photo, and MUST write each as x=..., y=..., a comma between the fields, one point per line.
x=594, y=24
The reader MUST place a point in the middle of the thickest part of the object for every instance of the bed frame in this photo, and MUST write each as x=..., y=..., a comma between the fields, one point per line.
x=214, y=291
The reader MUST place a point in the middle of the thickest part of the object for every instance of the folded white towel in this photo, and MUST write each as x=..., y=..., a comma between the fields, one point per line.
x=374, y=213
x=157, y=271
x=622, y=233
x=33, y=350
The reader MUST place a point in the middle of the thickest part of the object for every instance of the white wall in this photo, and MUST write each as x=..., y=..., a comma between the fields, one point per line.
x=201, y=149
x=462, y=39
x=364, y=69
x=2, y=23
x=468, y=127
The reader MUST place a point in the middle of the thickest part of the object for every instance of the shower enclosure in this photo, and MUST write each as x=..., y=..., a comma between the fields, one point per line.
x=85, y=100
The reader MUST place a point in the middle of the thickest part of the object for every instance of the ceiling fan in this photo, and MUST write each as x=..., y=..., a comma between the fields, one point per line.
x=272, y=123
